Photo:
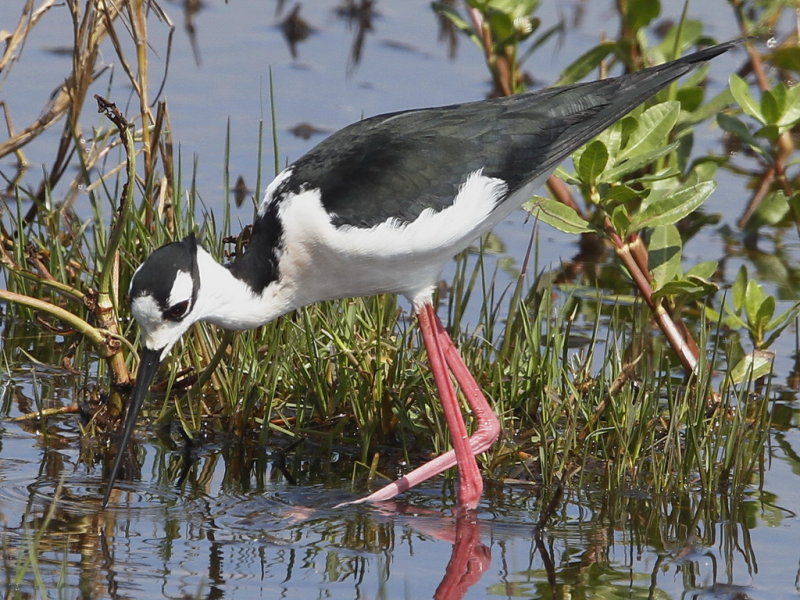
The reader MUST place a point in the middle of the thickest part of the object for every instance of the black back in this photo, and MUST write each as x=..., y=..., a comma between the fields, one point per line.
x=397, y=165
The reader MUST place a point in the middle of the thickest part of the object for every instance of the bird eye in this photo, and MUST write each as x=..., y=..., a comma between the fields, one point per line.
x=177, y=311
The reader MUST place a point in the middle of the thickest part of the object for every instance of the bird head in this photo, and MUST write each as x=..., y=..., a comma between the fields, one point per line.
x=163, y=293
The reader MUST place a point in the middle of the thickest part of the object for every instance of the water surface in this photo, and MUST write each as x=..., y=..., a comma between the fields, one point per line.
x=255, y=523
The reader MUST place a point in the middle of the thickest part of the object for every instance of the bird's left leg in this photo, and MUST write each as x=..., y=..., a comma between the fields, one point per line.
x=485, y=435
x=470, y=482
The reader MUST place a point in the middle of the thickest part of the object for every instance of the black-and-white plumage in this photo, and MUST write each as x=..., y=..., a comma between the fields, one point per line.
x=380, y=207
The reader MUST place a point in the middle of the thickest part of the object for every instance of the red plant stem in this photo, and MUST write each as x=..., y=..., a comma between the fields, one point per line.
x=665, y=322
x=763, y=188
x=561, y=192
x=671, y=331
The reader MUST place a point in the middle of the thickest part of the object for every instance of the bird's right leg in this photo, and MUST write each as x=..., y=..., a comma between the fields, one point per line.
x=488, y=430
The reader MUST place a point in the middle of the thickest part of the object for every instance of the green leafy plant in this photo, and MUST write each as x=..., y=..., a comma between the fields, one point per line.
x=498, y=27
x=749, y=308
x=766, y=136
x=633, y=190
x=633, y=48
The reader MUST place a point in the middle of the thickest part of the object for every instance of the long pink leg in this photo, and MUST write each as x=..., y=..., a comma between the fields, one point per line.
x=470, y=485
x=442, y=352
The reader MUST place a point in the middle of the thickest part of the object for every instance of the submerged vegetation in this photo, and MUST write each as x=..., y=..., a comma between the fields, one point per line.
x=639, y=372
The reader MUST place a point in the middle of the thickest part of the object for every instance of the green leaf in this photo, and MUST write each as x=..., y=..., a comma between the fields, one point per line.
x=665, y=207
x=585, y=63
x=753, y=366
x=739, y=289
x=690, y=288
x=740, y=130
x=770, y=108
x=690, y=31
x=501, y=25
x=641, y=12
x=514, y=8
x=621, y=220
x=665, y=254
x=741, y=93
x=707, y=110
x=711, y=315
x=701, y=283
x=612, y=138
x=690, y=98
x=765, y=312
x=593, y=160
x=619, y=194
x=787, y=57
x=557, y=215
x=794, y=204
x=447, y=11
x=753, y=298
x=791, y=113
x=779, y=94
x=635, y=163
x=704, y=169
x=661, y=179
x=772, y=209
x=704, y=270
x=771, y=132
x=779, y=323
x=733, y=320
x=654, y=126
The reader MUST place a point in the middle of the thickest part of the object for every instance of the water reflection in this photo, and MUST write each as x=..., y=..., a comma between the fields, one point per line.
x=468, y=561
x=232, y=524
x=295, y=29
x=238, y=520
x=357, y=14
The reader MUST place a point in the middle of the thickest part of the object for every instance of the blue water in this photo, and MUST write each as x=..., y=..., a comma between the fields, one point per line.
x=233, y=530
x=245, y=532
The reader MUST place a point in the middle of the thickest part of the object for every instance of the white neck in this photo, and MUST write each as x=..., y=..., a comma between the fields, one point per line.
x=230, y=303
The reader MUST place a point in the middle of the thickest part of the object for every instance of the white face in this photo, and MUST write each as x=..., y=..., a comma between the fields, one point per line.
x=160, y=328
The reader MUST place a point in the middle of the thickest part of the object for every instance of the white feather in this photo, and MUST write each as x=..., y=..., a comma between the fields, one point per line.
x=269, y=193
x=321, y=261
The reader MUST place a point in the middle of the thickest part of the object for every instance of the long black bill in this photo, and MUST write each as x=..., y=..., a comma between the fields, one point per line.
x=148, y=365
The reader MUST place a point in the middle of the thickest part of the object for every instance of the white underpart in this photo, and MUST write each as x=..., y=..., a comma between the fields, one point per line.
x=321, y=261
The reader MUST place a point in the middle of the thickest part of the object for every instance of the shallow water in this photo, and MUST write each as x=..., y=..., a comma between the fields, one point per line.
x=234, y=525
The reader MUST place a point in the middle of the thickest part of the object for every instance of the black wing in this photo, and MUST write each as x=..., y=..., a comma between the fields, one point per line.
x=399, y=164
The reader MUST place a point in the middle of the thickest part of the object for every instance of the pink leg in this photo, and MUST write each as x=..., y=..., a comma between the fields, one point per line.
x=470, y=485
x=442, y=355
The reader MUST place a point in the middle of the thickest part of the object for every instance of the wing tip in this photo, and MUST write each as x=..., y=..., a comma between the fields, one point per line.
x=713, y=51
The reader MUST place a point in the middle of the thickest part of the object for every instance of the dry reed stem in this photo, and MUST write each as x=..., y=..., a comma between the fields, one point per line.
x=67, y=97
x=16, y=39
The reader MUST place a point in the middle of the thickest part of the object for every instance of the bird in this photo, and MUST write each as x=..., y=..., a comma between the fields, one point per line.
x=380, y=207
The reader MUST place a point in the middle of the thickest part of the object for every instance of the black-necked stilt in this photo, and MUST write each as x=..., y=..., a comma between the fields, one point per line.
x=380, y=207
